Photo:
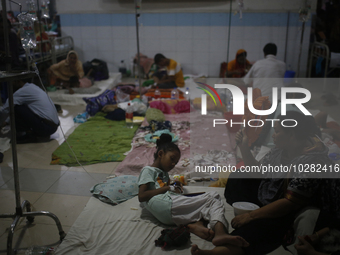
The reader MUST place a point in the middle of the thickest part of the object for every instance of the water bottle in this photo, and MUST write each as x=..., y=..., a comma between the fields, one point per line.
x=187, y=94
x=174, y=94
x=158, y=93
x=122, y=68
x=129, y=116
x=36, y=250
x=137, y=85
x=27, y=34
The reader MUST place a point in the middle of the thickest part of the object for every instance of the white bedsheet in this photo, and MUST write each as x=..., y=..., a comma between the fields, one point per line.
x=64, y=98
x=127, y=229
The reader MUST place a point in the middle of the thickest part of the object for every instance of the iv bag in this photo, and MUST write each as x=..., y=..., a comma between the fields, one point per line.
x=27, y=34
x=44, y=9
x=32, y=8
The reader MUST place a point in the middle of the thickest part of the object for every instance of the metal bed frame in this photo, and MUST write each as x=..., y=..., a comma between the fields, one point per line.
x=321, y=50
x=9, y=76
x=60, y=46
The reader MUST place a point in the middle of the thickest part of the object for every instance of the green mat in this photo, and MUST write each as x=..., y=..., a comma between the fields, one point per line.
x=96, y=141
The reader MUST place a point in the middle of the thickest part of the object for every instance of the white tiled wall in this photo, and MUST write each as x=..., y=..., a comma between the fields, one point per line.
x=199, y=49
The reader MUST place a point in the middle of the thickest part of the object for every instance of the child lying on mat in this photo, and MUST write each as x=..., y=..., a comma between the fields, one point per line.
x=166, y=203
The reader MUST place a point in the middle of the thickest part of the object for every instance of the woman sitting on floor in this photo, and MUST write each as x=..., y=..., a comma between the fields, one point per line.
x=240, y=66
x=282, y=196
x=66, y=72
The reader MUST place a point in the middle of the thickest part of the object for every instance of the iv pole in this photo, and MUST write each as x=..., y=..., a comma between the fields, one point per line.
x=137, y=7
x=19, y=209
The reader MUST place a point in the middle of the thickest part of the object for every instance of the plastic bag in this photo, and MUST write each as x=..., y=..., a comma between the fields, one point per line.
x=139, y=107
x=121, y=96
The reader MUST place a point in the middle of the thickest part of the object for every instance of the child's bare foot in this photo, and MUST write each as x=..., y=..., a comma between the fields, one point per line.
x=201, y=231
x=220, y=250
x=229, y=239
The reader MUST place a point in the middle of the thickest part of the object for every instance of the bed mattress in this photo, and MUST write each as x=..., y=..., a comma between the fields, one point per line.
x=127, y=229
x=64, y=98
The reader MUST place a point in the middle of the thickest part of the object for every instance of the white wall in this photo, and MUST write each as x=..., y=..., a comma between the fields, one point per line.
x=117, y=6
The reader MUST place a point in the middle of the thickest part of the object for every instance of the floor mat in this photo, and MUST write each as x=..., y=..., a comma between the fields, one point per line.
x=98, y=140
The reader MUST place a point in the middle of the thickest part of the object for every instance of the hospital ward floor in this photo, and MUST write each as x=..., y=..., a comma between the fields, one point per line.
x=61, y=190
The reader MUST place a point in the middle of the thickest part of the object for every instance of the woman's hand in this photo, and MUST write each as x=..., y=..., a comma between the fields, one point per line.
x=241, y=220
x=241, y=138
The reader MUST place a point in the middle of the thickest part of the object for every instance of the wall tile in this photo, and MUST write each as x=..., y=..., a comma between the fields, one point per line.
x=119, y=32
x=88, y=19
x=90, y=45
x=201, y=32
x=201, y=19
x=168, y=32
x=217, y=45
x=88, y=32
x=201, y=58
x=76, y=32
x=120, y=45
x=218, y=33
x=104, y=32
x=168, y=45
x=184, y=32
x=185, y=19
x=168, y=19
x=184, y=44
x=104, y=44
x=201, y=45
x=185, y=57
x=131, y=30
x=151, y=19
x=103, y=19
x=152, y=45
x=119, y=19
x=77, y=20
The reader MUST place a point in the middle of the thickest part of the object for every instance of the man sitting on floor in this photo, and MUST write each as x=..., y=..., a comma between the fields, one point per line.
x=36, y=117
x=172, y=77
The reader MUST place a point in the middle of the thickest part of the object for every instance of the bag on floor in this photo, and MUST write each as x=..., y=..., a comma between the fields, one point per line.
x=173, y=237
x=99, y=67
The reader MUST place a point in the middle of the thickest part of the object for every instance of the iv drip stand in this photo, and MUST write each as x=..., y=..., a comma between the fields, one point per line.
x=19, y=209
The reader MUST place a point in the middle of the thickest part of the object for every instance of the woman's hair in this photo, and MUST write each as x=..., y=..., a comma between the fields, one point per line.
x=306, y=125
x=164, y=143
x=158, y=57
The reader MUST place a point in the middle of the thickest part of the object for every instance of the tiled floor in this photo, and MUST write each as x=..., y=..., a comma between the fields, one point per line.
x=62, y=190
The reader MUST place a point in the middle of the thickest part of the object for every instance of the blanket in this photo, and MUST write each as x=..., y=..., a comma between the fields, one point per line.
x=96, y=141
x=199, y=142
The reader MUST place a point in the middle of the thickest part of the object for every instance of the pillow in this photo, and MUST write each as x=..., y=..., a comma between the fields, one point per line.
x=154, y=114
x=95, y=104
x=116, y=190
x=182, y=107
x=158, y=104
